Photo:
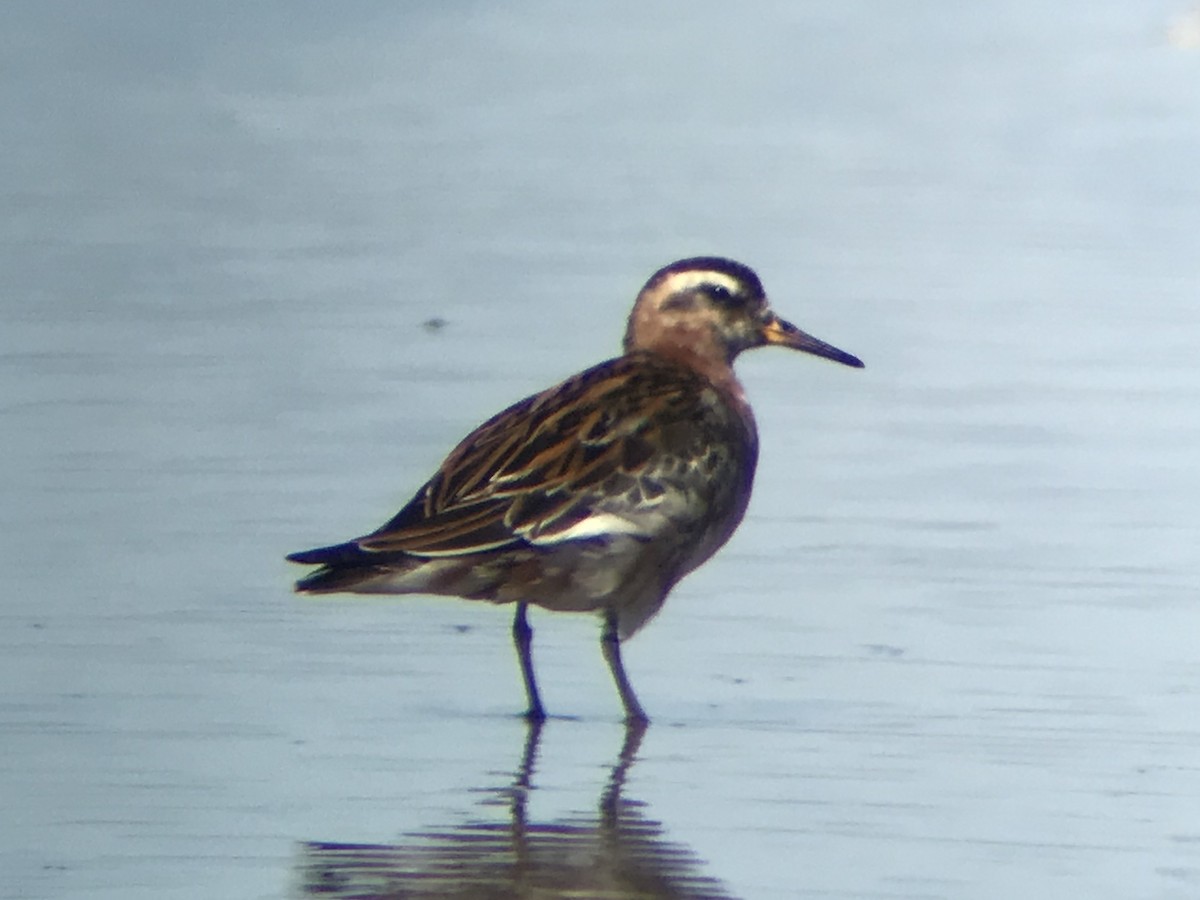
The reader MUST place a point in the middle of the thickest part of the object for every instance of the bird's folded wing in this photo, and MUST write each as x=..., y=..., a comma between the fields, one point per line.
x=573, y=463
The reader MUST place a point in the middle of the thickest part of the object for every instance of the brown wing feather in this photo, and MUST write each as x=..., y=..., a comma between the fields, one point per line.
x=539, y=465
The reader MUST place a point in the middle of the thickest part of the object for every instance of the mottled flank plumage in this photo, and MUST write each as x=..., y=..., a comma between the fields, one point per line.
x=599, y=494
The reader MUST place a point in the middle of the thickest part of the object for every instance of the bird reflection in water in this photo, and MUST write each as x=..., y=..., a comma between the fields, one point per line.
x=612, y=852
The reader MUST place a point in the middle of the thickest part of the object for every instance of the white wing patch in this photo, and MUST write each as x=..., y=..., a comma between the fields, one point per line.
x=601, y=524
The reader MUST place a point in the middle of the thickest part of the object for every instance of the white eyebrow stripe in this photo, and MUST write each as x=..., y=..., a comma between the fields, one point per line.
x=678, y=282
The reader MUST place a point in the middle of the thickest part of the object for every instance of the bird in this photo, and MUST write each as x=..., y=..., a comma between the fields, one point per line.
x=599, y=494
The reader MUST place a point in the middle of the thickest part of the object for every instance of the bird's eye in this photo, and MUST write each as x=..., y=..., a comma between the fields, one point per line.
x=721, y=294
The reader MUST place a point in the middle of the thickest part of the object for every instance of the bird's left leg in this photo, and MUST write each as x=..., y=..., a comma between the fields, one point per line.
x=523, y=639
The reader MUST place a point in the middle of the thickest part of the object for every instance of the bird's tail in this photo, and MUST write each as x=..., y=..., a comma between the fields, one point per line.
x=348, y=553
x=344, y=567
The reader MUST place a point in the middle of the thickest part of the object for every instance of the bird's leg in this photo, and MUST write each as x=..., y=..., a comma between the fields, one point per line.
x=523, y=638
x=610, y=646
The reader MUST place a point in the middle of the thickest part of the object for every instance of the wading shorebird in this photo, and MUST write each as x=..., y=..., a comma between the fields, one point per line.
x=599, y=494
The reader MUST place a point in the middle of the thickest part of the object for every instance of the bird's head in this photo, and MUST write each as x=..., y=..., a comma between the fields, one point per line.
x=711, y=309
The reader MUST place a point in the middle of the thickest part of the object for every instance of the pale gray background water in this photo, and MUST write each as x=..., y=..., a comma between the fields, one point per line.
x=952, y=652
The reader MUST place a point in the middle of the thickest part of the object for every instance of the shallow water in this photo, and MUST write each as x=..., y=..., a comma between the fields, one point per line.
x=951, y=653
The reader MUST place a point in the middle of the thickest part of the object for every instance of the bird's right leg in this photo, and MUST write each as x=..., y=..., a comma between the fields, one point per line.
x=610, y=646
x=523, y=639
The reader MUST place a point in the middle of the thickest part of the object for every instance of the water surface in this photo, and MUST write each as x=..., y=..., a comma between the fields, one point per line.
x=950, y=653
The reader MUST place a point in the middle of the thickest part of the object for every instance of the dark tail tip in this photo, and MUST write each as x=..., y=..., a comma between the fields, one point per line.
x=344, y=567
x=335, y=555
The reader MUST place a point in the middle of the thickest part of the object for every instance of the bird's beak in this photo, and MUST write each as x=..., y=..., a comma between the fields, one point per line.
x=785, y=334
